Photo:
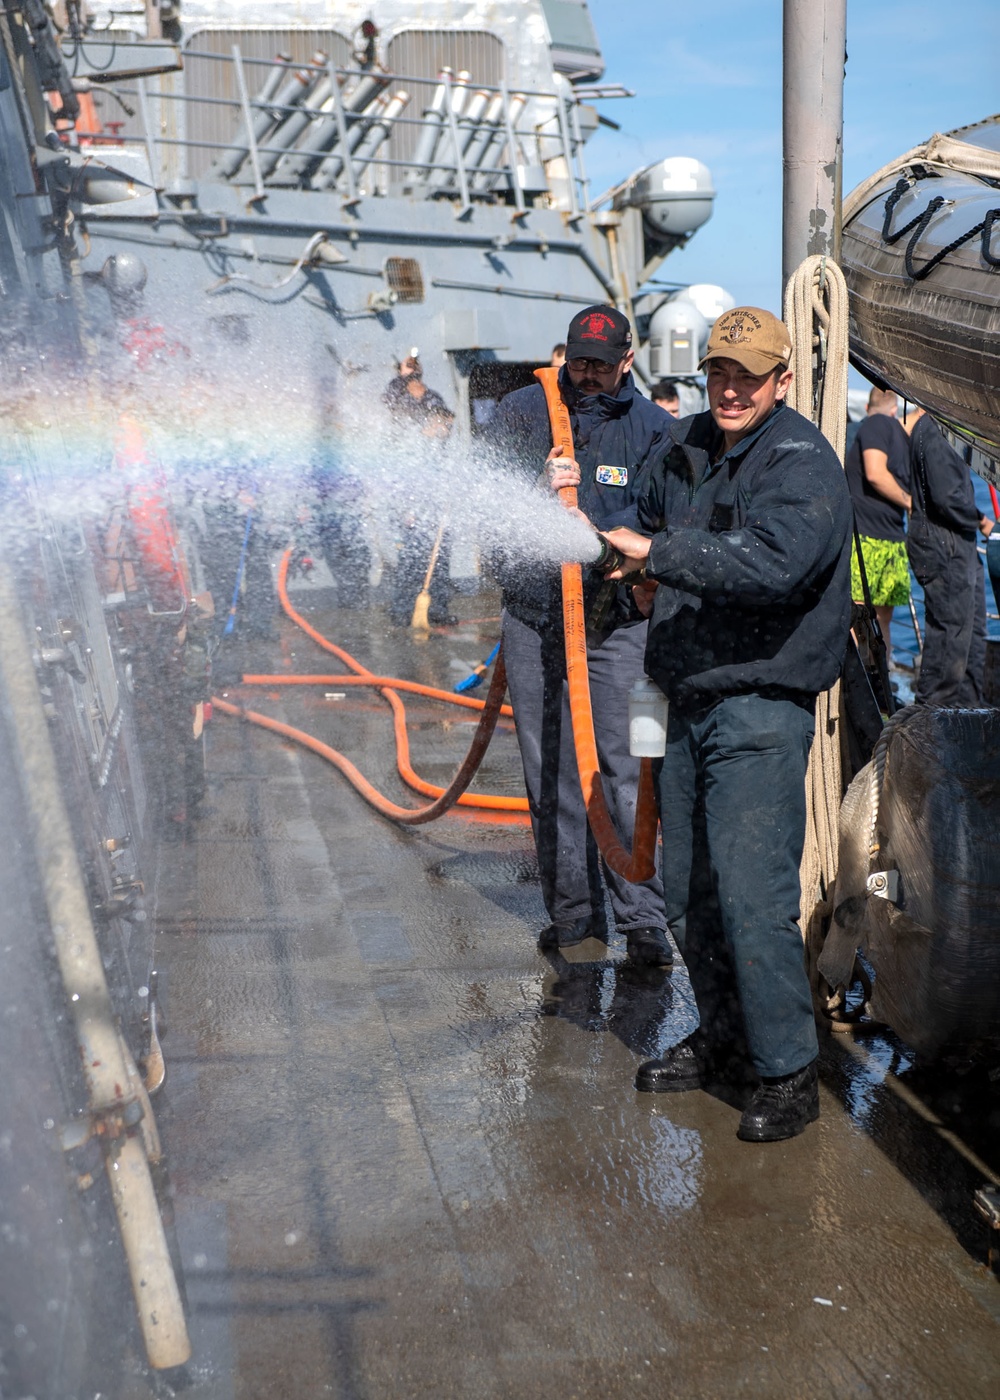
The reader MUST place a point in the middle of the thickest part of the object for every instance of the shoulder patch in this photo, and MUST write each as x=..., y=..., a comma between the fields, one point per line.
x=611, y=476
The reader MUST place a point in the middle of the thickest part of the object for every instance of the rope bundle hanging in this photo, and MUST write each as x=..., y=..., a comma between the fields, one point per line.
x=816, y=315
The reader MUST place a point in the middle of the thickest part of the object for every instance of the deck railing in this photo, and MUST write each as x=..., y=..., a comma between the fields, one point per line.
x=319, y=125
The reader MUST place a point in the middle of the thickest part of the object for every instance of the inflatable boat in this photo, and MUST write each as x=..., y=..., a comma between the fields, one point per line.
x=921, y=255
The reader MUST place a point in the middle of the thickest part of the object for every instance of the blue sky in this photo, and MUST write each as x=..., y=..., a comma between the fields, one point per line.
x=708, y=83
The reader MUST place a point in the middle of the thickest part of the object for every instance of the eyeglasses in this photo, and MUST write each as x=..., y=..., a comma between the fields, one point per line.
x=600, y=367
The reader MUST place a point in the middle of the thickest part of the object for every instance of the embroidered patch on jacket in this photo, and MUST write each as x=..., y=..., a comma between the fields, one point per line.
x=611, y=476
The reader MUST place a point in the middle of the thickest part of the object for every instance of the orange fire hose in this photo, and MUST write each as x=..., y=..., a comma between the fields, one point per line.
x=407, y=816
x=637, y=866
x=492, y=708
x=641, y=863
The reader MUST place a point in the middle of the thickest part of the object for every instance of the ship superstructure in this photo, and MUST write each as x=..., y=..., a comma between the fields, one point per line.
x=343, y=182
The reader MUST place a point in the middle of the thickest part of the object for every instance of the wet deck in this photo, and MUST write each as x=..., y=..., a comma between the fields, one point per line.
x=406, y=1152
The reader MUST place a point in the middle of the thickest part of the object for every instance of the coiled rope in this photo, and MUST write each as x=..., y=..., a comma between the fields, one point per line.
x=816, y=315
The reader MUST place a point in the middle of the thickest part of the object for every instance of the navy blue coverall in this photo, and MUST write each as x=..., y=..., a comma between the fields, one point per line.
x=941, y=544
x=621, y=431
x=751, y=549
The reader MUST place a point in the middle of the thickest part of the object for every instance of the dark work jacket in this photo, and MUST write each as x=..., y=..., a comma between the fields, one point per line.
x=624, y=430
x=399, y=399
x=942, y=486
x=753, y=560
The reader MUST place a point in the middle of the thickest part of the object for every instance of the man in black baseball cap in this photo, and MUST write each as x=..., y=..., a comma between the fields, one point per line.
x=599, y=333
x=616, y=435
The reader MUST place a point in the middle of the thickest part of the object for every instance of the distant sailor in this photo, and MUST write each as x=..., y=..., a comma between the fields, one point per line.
x=616, y=434
x=751, y=524
x=878, y=474
x=667, y=396
x=941, y=543
x=408, y=397
x=416, y=409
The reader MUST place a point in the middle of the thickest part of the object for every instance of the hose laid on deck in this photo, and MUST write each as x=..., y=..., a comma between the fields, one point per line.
x=492, y=708
x=406, y=815
x=640, y=864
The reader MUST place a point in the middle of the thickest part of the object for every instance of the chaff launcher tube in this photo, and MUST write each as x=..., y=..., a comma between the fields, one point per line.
x=641, y=864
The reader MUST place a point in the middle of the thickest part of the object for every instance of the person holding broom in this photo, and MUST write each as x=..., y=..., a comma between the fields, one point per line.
x=421, y=594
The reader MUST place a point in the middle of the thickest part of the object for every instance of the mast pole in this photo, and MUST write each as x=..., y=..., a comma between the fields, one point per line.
x=814, y=51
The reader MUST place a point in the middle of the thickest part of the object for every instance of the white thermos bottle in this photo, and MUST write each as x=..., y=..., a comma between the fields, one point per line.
x=647, y=720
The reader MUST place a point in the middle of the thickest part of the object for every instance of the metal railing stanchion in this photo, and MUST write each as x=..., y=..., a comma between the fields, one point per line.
x=511, y=150
x=348, y=155
x=241, y=84
x=574, y=207
x=150, y=139
x=463, y=183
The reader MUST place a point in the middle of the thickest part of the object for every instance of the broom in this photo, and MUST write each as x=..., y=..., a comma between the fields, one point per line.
x=420, y=621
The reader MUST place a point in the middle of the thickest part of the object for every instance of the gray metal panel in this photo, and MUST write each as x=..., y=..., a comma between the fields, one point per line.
x=422, y=53
x=473, y=328
x=575, y=49
x=205, y=77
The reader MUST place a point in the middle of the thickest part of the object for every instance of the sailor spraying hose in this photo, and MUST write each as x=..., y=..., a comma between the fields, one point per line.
x=612, y=434
x=750, y=519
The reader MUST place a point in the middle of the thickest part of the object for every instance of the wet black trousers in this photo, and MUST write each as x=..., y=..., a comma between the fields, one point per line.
x=731, y=790
x=568, y=861
x=954, y=655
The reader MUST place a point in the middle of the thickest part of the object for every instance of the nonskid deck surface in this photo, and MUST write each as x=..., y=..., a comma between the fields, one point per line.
x=406, y=1152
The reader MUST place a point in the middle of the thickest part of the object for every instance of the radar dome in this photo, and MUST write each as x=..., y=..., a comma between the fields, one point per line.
x=711, y=301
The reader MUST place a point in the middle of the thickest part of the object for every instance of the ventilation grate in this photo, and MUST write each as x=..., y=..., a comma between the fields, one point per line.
x=404, y=277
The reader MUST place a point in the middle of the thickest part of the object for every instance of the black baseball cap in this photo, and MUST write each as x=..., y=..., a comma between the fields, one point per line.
x=599, y=333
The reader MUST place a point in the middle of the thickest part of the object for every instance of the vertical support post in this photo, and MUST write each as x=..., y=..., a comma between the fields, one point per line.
x=814, y=43
x=151, y=156
x=154, y=20
x=574, y=207
x=463, y=183
x=241, y=83
x=578, y=138
x=347, y=162
x=511, y=149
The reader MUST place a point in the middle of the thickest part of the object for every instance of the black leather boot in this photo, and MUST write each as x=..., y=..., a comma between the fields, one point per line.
x=782, y=1108
x=569, y=935
x=649, y=947
x=681, y=1068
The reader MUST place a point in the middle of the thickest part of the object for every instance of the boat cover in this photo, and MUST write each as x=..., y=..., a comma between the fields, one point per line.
x=934, y=946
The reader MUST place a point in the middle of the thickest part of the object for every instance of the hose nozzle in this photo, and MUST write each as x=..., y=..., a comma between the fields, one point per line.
x=609, y=558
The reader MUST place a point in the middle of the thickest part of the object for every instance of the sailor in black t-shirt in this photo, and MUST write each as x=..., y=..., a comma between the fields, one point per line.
x=878, y=474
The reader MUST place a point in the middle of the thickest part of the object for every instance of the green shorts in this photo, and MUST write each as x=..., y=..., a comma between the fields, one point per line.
x=887, y=569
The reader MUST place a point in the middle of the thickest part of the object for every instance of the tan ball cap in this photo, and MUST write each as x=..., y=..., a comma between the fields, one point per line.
x=752, y=337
